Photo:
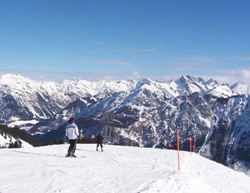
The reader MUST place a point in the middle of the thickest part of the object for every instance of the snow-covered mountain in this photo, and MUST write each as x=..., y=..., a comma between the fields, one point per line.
x=9, y=141
x=117, y=169
x=241, y=88
x=141, y=113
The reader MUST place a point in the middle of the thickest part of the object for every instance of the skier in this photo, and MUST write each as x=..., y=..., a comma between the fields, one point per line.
x=72, y=134
x=99, y=139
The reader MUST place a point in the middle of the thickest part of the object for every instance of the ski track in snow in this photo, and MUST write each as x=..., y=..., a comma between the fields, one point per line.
x=116, y=170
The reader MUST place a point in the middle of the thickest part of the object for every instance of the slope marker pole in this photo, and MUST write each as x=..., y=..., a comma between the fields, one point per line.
x=178, y=148
x=190, y=142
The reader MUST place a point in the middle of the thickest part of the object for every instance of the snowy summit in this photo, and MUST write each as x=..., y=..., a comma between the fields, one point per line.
x=118, y=169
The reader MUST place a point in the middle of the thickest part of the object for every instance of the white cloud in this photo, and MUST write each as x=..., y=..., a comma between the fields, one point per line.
x=231, y=76
x=242, y=58
x=115, y=62
x=139, y=50
x=107, y=62
x=191, y=63
x=241, y=74
x=135, y=76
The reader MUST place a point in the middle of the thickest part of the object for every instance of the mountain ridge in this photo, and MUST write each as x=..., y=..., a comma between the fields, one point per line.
x=141, y=113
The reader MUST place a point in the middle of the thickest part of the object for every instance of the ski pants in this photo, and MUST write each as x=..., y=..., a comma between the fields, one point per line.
x=98, y=145
x=72, y=147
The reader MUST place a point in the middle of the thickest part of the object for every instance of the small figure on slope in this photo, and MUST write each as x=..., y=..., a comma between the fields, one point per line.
x=99, y=139
x=72, y=134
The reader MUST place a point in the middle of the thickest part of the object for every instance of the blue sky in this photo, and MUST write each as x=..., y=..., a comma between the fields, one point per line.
x=126, y=39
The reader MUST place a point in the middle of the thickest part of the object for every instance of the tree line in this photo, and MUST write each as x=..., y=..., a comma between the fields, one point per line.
x=17, y=133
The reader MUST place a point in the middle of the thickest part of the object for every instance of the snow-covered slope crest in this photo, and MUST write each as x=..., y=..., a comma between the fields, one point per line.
x=117, y=169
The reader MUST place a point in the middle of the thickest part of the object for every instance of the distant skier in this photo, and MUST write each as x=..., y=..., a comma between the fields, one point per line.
x=99, y=139
x=72, y=134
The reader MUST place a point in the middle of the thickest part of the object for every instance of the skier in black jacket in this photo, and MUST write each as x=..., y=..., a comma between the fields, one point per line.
x=99, y=139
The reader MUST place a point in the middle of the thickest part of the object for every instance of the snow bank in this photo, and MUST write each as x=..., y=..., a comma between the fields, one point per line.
x=116, y=170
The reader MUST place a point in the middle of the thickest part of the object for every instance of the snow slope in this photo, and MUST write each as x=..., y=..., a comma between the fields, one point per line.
x=118, y=169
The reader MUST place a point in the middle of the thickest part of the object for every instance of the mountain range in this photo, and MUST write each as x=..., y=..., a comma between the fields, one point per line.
x=137, y=113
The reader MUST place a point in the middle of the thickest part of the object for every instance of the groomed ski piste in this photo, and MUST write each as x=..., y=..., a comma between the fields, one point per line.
x=118, y=169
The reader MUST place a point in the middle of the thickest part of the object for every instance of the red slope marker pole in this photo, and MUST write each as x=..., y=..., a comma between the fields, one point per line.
x=194, y=148
x=190, y=142
x=178, y=148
